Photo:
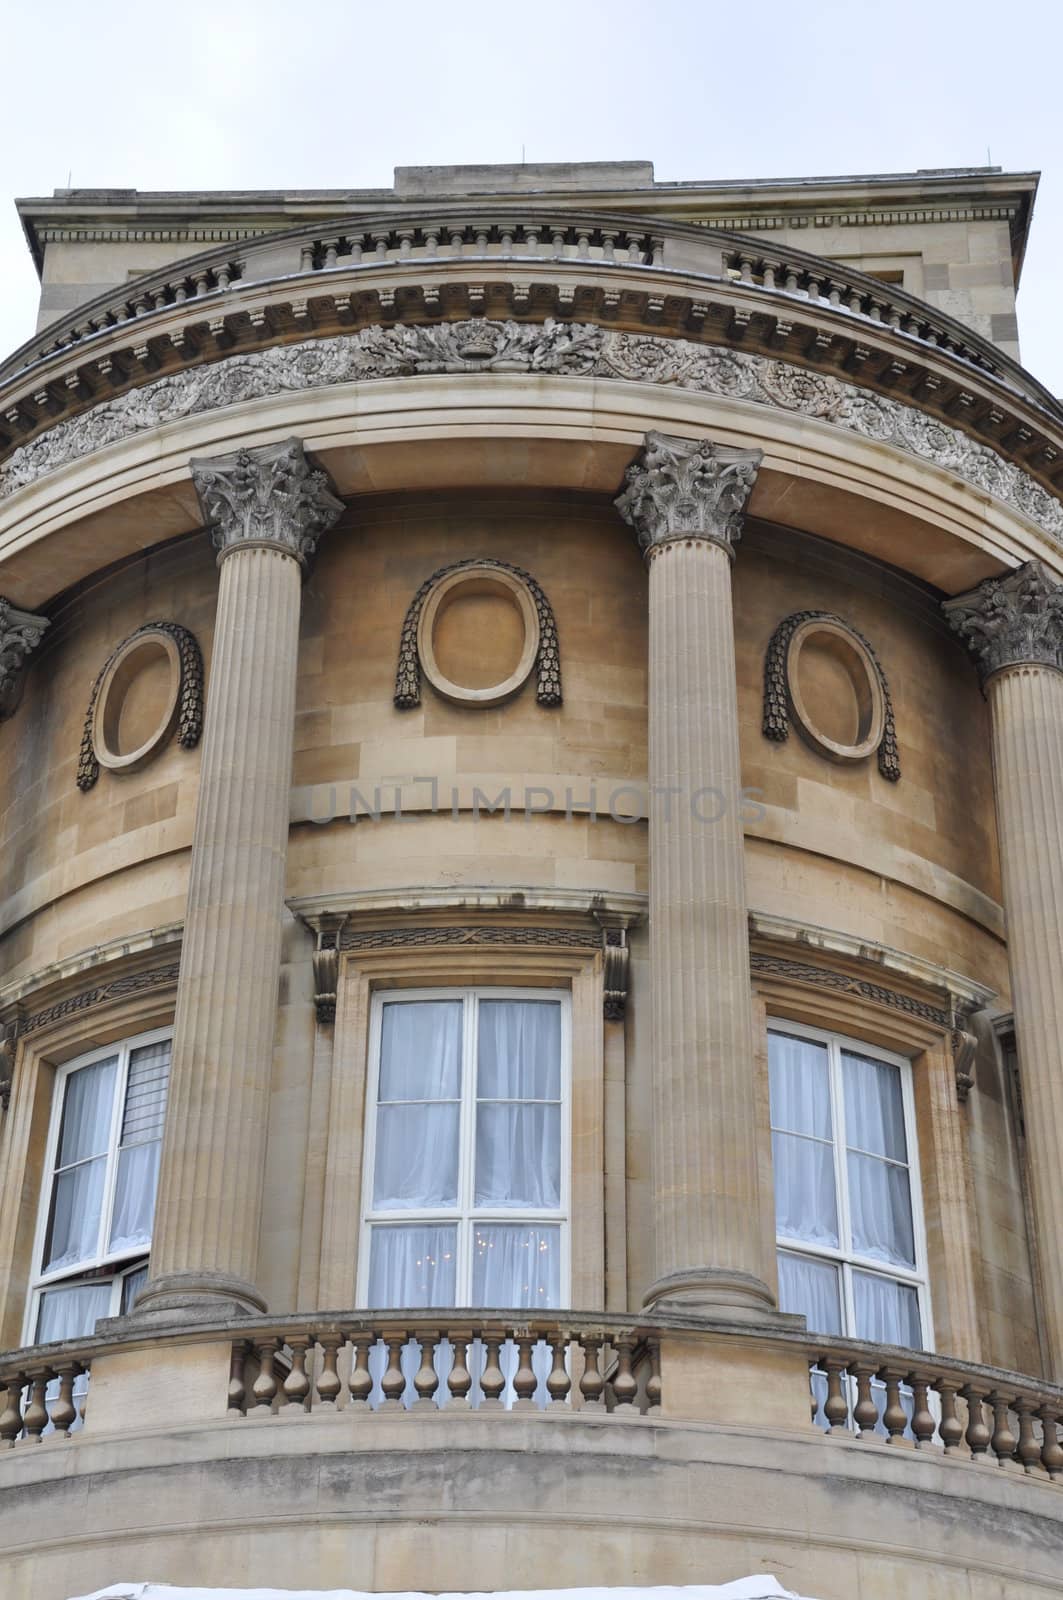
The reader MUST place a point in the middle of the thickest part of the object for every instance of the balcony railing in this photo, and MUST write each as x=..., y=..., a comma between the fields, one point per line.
x=666, y=1370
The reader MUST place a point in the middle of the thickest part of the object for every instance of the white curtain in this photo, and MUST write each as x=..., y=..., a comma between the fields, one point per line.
x=134, y=1197
x=879, y=1189
x=72, y=1313
x=810, y=1289
x=77, y=1195
x=874, y=1108
x=518, y=1113
x=800, y=1086
x=419, y=1106
x=886, y=1311
x=806, y=1206
x=414, y=1266
x=516, y=1265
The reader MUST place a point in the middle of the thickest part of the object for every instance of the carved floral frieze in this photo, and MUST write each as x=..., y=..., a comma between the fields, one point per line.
x=558, y=349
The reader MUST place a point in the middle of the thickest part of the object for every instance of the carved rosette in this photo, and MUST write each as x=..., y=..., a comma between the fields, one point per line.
x=20, y=632
x=268, y=496
x=1012, y=621
x=683, y=489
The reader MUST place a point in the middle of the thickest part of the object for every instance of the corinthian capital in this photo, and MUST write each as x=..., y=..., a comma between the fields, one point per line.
x=20, y=632
x=687, y=489
x=267, y=496
x=1011, y=621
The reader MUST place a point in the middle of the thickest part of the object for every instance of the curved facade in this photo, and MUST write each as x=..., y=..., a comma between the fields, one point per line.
x=532, y=903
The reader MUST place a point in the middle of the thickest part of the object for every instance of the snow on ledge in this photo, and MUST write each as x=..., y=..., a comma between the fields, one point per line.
x=759, y=1588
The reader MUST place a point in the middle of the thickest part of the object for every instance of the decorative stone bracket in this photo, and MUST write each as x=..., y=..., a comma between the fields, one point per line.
x=8, y=1046
x=783, y=701
x=20, y=632
x=616, y=957
x=326, y=963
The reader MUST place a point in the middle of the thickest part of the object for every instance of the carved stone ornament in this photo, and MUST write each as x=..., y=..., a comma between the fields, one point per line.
x=683, y=488
x=187, y=700
x=8, y=1045
x=616, y=963
x=547, y=657
x=1012, y=621
x=556, y=349
x=780, y=688
x=267, y=496
x=20, y=632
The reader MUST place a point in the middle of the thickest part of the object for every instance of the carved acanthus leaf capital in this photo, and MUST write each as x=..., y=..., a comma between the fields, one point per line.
x=683, y=488
x=267, y=496
x=20, y=632
x=1012, y=621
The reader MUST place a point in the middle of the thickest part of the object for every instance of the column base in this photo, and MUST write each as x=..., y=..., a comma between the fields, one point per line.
x=719, y=1293
x=195, y=1297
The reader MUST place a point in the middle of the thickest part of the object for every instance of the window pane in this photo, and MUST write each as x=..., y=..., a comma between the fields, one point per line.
x=145, y=1097
x=420, y=1050
x=880, y=1207
x=805, y=1203
x=74, y=1223
x=72, y=1313
x=810, y=1289
x=800, y=1085
x=86, y=1127
x=416, y=1156
x=134, y=1195
x=518, y=1155
x=886, y=1311
x=516, y=1265
x=519, y=1050
x=413, y=1267
x=132, y=1284
x=874, y=1108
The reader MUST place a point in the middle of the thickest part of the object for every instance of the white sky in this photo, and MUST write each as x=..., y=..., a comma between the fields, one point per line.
x=335, y=93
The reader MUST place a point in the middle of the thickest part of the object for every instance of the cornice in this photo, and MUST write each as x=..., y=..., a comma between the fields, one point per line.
x=558, y=348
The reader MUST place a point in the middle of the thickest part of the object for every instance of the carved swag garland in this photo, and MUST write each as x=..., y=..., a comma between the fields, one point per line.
x=190, y=697
x=560, y=349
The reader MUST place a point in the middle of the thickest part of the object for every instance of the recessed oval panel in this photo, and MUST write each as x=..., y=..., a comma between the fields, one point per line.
x=834, y=691
x=137, y=702
x=478, y=635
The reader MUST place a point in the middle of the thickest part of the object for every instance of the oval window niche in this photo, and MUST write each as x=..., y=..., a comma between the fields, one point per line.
x=150, y=684
x=478, y=635
x=825, y=677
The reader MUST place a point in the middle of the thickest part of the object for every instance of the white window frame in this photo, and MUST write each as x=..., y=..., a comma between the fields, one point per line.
x=848, y=1259
x=88, y=1271
x=465, y=1214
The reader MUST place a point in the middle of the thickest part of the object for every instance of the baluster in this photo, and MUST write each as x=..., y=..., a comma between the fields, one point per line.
x=1051, y=1449
x=950, y=1428
x=328, y=1383
x=202, y=283
x=460, y=1376
x=332, y=247
x=657, y=252
x=558, y=242
x=654, y=1386
x=264, y=1387
x=1028, y=1449
x=836, y=1405
x=865, y=1412
x=481, y=242
x=306, y=258
x=393, y=1381
x=524, y=1380
x=224, y=277
x=608, y=246
x=296, y=1382
x=35, y=1419
x=431, y=239
x=855, y=303
x=83, y=1371
x=876, y=309
x=64, y=1411
x=591, y=1383
x=625, y=1385
x=11, y=1416
x=457, y=240
x=745, y=269
x=583, y=246
x=426, y=1378
x=977, y=1434
x=559, y=1383
x=405, y=242
x=769, y=275
x=923, y=1424
x=360, y=1382
x=492, y=1379
x=894, y=317
x=507, y=232
x=894, y=1417
x=1003, y=1440
x=380, y=240
x=356, y=249
x=634, y=252
x=180, y=294
x=531, y=241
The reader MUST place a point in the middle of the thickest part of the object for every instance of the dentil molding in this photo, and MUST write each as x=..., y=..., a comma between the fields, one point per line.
x=558, y=349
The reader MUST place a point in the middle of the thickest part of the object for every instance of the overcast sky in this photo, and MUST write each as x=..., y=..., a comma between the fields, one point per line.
x=335, y=93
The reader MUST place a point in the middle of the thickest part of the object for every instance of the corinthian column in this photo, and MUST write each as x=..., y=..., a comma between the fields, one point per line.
x=1014, y=628
x=265, y=509
x=684, y=498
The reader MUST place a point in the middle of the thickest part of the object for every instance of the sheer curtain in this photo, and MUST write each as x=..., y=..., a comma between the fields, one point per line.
x=143, y=1116
x=516, y=1265
x=518, y=1113
x=413, y=1266
x=806, y=1205
x=81, y=1166
x=419, y=1107
x=811, y=1289
x=70, y=1313
x=880, y=1201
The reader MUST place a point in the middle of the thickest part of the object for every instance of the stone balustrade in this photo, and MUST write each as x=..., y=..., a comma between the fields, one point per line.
x=540, y=238
x=666, y=1369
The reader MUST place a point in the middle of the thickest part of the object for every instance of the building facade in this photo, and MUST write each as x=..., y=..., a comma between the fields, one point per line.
x=531, y=932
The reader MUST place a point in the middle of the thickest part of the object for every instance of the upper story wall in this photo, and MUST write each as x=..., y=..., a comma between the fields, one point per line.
x=954, y=239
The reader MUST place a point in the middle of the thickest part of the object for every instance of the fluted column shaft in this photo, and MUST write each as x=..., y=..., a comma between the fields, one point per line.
x=1027, y=715
x=684, y=500
x=205, y=1241
x=1014, y=628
